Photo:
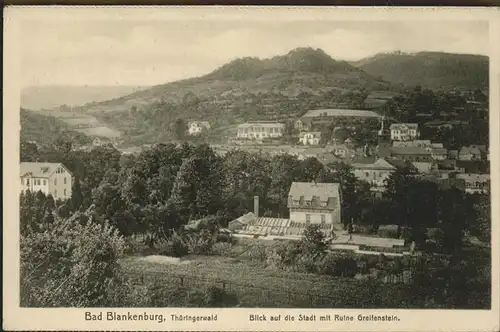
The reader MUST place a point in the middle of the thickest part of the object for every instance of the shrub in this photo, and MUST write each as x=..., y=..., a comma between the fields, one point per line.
x=388, y=231
x=326, y=265
x=222, y=249
x=214, y=296
x=173, y=246
x=71, y=265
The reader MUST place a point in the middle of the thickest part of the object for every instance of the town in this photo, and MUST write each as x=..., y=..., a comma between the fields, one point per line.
x=294, y=180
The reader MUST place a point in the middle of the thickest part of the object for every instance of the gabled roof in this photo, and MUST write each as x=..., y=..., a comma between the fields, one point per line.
x=380, y=164
x=474, y=177
x=205, y=124
x=261, y=124
x=470, y=149
x=310, y=189
x=40, y=170
x=340, y=113
x=412, y=150
x=401, y=126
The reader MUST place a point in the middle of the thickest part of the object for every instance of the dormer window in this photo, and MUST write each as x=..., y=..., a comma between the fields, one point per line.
x=308, y=203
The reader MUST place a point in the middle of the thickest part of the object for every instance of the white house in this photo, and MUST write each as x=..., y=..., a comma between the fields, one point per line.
x=310, y=138
x=315, y=203
x=404, y=131
x=198, y=127
x=97, y=142
x=49, y=178
x=475, y=183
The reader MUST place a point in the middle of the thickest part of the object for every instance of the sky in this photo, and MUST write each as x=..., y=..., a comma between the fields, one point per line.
x=135, y=52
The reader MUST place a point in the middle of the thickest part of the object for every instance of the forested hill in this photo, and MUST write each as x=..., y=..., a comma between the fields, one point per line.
x=302, y=70
x=433, y=70
x=46, y=129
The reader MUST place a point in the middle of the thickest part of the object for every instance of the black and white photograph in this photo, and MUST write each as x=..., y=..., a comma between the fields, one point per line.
x=237, y=163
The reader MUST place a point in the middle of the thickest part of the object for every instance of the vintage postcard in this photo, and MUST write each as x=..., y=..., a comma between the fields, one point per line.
x=251, y=169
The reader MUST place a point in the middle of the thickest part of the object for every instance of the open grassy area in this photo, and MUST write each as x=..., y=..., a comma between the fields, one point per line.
x=258, y=286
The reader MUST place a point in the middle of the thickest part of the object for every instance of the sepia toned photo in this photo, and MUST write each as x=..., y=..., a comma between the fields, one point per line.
x=212, y=162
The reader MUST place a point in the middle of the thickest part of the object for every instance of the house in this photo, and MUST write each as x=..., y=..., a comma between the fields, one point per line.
x=412, y=154
x=439, y=153
x=299, y=125
x=310, y=138
x=50, y=178
x=475, y=183
x=198, y=127
x=259, y=130
x=414, y=143
x=342, y=151
x=404, y=131
x=375, y=173
x=425, y=167
x=97, y=142
x=468, y=153
x=315, y=203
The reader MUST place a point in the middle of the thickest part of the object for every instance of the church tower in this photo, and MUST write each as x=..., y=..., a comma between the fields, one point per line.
x=384, y=140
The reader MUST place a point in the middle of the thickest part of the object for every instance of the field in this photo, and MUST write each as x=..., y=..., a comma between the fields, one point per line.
x=84, y=123
x=259, y=286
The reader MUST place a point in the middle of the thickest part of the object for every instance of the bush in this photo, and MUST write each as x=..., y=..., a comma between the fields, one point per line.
x=214, y=296
x=326, y=265
x=222, y=249
x=173, y=246
x=71, y=265
x=388, y=231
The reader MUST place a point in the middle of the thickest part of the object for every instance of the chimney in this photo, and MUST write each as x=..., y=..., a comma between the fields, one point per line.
x=256, y=206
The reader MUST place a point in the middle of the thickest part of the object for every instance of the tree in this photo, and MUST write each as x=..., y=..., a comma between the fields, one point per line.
x=314, y=240
x=76, y=195
x=180, y=128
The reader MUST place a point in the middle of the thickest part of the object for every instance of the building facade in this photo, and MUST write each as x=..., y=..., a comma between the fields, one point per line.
x=412, y=154
x=310, y=138
x=404, y=131
x=475, y=183
x=375, y=173
x=50, y=178
x=259, y=130
x=315, y=203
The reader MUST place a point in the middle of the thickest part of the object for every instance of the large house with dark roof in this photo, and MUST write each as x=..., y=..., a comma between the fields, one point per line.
x=50, y=178
x=315, y=203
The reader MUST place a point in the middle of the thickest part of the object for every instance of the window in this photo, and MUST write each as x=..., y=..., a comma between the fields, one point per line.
x=27, y=182
x=64, y=192
x=323, y=219
x=367, y=174
x=44, y=182
x=64, y=180
x=308, y=217
x=308, y=203
x=55, y=182
x=37, y=182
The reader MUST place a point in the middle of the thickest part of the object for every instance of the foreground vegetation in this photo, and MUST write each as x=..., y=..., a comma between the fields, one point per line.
x=126, y=205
